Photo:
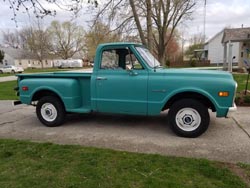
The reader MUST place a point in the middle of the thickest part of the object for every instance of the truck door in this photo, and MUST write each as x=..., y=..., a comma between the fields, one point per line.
x=121, y=83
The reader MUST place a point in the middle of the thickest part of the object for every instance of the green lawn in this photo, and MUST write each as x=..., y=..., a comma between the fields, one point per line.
x=26, y=164
x=241, y=79
x=6, y=74
x=7, y=90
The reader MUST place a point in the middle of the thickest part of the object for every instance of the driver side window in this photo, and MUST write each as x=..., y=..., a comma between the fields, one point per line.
x=110, y=59
x=132, y=62
x=119, y=59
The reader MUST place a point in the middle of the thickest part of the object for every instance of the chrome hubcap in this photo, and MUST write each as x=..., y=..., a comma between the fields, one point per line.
x=48, y=112
x=188, y=119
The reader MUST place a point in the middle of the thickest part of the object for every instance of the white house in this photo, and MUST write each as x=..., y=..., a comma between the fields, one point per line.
x=215, y=49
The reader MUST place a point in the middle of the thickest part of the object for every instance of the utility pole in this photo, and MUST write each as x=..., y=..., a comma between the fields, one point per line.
x=204, y=21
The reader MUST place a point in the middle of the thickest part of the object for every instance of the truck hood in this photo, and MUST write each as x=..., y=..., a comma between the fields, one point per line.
x=185, y=72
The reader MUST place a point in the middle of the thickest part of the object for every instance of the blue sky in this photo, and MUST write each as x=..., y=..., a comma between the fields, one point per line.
x=219, y=14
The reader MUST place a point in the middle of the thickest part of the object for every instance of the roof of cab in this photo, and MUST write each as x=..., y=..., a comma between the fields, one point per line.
x=119, y=44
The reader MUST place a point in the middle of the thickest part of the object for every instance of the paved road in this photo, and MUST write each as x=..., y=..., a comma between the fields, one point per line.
x=226, y=139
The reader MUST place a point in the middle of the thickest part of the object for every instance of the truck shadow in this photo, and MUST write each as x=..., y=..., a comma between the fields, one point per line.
x=157, y=123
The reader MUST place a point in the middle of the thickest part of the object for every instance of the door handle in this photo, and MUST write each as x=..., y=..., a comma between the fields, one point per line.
x=133, y=73
x=101, y=78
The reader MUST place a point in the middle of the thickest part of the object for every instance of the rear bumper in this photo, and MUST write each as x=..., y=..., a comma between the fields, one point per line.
x=231, y=111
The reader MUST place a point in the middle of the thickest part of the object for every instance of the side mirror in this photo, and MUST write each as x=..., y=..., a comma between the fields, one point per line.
x=128, y=67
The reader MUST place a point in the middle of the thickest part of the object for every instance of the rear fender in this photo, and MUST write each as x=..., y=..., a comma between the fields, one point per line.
x=68, y=90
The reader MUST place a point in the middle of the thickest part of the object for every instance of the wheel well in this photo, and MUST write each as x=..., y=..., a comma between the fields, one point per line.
x=190, y=95
x=38, y=95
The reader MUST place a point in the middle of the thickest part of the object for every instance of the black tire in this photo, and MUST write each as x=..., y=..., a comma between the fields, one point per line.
x=13, y=72
x=1, y=72
x=188, y=118
x=50, y=111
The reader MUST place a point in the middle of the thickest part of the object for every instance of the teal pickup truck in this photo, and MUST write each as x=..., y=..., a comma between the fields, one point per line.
x=127, y=79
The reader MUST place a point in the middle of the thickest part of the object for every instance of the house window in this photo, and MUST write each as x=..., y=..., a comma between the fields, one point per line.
x=242, y=54
x=46, y=62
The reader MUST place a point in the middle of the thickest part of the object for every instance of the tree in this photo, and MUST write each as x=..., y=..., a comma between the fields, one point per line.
x=100, y=33
x=38, y=41
x=66, y=38
x=11, y=38
x=1, y=56
x=173, y=49
x=196, y=43
x=148, y=15
x=42, y=8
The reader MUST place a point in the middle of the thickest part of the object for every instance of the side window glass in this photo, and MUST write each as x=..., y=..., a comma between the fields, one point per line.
x=132, y=62
x=110, y=59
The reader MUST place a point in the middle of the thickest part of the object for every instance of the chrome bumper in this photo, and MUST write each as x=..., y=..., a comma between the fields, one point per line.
x=231, y=110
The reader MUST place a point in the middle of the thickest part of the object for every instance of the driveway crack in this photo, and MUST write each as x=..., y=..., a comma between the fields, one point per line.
x=8, y=122
x=240, y=126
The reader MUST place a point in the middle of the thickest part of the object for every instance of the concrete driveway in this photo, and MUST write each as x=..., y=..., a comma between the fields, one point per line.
x=226, y=140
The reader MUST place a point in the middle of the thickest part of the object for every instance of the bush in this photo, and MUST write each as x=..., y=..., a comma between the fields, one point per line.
x=246, y=99
x=167, y=63
x=192, y=62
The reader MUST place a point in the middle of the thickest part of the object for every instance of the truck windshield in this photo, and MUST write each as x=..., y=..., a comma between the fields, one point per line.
x=148, y=57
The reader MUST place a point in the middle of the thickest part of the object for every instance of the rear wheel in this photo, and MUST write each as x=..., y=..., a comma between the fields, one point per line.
x=13, y=72
x=189, y=118
x=50, y=111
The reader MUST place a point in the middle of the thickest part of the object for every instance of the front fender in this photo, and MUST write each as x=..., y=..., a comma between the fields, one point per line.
x=193, y=90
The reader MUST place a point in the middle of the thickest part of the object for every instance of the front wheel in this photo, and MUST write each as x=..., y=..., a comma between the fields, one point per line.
x=50, y=111
x=189, y=118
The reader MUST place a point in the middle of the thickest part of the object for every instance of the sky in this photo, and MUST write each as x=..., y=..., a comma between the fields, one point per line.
x=219, y=14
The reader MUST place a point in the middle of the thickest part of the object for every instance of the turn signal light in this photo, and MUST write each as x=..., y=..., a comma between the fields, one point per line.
x=223, y=94
x=25, y=88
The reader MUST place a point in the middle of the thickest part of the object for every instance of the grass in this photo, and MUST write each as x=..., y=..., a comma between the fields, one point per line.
x=6, y=74
x=246, y=167
x=27, y=164
x=7, y=90
x=241, y=79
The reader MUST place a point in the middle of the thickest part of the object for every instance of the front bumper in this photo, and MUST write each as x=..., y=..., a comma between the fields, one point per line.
x=231, y=111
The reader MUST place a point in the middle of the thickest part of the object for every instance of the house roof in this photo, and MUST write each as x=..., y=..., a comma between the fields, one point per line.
x=222, y=31
x=236, y=35
x=16, y=53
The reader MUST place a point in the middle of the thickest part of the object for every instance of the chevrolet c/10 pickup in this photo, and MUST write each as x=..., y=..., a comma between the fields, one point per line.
x=127, y=79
